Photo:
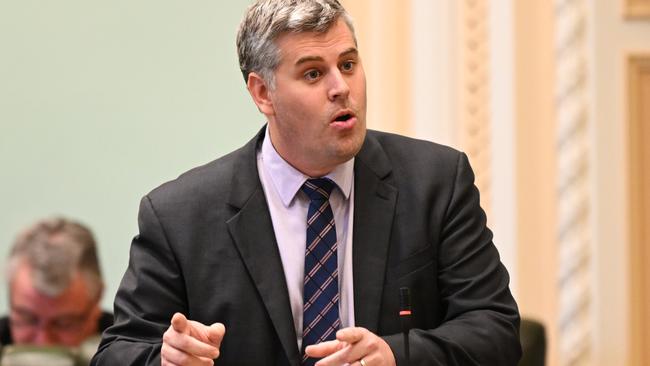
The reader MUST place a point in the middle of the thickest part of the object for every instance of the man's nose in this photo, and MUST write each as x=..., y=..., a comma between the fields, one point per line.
x=339, y=88
x=45, y=337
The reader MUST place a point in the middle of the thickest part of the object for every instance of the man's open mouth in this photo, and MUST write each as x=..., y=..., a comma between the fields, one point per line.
x=343, y=118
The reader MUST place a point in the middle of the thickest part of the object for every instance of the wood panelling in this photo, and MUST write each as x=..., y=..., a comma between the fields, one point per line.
x=639, y=138
x=637, y=8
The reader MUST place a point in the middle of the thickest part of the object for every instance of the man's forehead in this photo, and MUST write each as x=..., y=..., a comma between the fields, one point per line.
x=25, y=285
x=337, y=40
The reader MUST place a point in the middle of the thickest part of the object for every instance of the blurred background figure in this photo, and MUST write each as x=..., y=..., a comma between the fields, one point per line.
x=55, y=286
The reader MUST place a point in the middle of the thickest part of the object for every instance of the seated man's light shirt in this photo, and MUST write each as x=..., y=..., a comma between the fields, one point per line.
x=288, y=206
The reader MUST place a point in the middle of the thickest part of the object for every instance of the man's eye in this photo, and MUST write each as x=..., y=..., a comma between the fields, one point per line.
x=347, y=66
x=312, y=75
x=67, y=322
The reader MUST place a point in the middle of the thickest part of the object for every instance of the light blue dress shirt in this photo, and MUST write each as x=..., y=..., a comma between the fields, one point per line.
x=288, y=206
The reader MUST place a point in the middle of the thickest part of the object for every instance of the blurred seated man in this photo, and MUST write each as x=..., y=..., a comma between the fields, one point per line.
x=55, y=287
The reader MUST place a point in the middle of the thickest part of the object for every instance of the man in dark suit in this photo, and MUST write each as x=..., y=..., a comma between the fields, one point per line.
x=292, y=249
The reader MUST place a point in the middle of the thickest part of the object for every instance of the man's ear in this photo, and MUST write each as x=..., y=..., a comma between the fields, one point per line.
x=260, y=92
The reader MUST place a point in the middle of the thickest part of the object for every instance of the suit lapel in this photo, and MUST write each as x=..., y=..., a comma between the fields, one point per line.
x=371, y=236
x=252, y=231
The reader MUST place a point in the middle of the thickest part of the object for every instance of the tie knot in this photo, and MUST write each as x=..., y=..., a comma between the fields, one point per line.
x=318, y=189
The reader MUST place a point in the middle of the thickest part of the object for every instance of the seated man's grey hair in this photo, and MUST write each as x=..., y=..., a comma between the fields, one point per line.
x=266, y=20
x=55, y=249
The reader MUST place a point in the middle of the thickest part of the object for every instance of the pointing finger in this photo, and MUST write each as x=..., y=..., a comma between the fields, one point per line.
x=215, y=334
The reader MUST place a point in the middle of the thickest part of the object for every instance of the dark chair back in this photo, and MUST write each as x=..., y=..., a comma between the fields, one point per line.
x=533, y=343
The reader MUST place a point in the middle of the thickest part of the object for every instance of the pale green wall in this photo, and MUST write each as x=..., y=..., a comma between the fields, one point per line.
x=100, y=102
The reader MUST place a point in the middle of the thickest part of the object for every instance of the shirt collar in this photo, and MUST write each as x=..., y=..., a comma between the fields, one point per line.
x=288, y=180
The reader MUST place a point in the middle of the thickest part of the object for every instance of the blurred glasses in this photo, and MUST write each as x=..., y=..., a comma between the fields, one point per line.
x=24, y=319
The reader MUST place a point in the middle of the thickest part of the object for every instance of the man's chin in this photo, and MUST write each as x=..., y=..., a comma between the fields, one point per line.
x=350, y=147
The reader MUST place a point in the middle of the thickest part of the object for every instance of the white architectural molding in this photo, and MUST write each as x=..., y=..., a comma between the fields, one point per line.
x=502, y=109
x=433, y=73
x=573, y=186
x=474, y=93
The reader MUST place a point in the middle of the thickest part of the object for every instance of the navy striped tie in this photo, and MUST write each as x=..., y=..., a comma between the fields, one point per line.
x=321, y=287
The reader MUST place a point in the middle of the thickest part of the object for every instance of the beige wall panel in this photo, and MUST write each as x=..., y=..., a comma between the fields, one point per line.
x=383, y=34
x=614, y=37
x=536, y=165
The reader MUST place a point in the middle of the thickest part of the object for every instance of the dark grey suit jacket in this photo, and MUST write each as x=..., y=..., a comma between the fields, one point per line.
x=206, y=248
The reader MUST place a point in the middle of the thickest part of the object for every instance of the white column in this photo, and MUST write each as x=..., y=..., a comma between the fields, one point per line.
x=573, y=185
x=502, y=108
x=433, y=51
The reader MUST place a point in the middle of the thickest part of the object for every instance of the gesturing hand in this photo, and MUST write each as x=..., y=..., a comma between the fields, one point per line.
x=350, y=347
x=187, y=342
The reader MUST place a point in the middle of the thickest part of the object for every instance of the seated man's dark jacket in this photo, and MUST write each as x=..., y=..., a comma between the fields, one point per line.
x=206, y=248
x=104, y=321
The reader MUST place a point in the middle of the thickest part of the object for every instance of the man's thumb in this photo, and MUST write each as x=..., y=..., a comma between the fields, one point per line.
x=180, y=323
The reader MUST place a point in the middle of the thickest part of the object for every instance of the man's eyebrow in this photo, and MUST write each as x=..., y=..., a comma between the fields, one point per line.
x=349, y=51
x=302, y=60
x=22, y=310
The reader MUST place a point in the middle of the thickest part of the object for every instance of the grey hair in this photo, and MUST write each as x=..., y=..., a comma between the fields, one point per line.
x=55, y=249
x=266, y=20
